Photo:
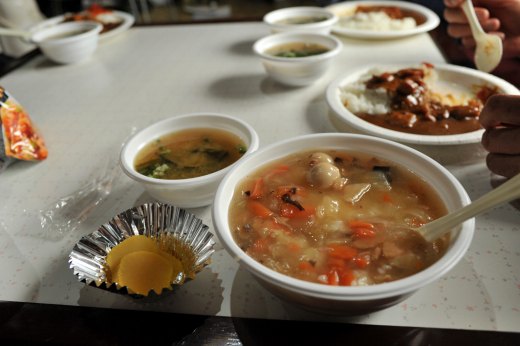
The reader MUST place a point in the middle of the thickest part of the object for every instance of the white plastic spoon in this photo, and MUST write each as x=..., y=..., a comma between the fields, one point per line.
x=489, y=47
x=506, y=192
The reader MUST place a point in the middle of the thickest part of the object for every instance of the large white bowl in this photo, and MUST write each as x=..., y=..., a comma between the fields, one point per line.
x=192, y=192
x=273, y=18
x=68, y=43
x=297, y=71
x=345, y=299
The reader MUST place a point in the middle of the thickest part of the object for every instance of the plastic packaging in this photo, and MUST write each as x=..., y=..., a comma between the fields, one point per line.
x=65, y=214
x=19, y=139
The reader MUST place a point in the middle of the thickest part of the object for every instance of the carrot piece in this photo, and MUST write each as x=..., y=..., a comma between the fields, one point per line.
x=333, y=278
x=258, y=209
x=277, y=170
x=361, y=262
x=306, y=266
x=387, y=198
x=342, y=251
x=257, y=190
x=360, y=224
x=293, y=247
x=363, y=233
x=335, y=263
x=346, y=278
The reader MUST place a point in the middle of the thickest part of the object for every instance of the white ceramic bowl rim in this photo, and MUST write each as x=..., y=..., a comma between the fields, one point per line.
x=283, y=13
x=334, y=102
x=90, y=27
x=286, y=37
x=398, y=287
x=129, y=169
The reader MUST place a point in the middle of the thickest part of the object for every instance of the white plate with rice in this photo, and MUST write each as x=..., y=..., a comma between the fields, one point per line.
x=379, y=25
x=456, y=83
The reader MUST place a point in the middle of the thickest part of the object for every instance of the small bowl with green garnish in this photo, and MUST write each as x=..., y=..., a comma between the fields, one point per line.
x=181, y=160
x=297, y=58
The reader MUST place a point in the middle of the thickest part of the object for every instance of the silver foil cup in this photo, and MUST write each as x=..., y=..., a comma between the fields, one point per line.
x=190, y=241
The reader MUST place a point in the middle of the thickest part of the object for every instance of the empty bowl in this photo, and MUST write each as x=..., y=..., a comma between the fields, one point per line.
x=296, y=58
x=194, y=191
x=303, y=19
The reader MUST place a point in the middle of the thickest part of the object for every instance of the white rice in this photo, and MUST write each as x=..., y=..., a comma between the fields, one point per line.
x=108, y=18
x=376, y=21
x=358, y=99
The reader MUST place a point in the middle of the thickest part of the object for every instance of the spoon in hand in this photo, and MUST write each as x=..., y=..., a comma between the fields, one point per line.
x=506, y=192
x=488, y=52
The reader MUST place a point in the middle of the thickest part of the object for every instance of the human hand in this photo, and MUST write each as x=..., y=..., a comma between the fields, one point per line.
x=501, y=119
x=499, y=17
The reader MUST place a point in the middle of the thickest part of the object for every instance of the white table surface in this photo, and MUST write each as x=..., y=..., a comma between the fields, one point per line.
x=86, y=111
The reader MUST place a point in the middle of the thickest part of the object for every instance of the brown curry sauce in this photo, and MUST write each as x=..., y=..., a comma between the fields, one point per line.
x=413, y=110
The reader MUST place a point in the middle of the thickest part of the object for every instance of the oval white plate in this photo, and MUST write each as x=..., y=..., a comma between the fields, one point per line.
x=451, y=79
x=128, y=21
x=343, y=9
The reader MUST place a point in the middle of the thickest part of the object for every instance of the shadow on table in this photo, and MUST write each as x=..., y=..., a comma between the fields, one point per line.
x=259, y=318
x=243, y=48
x=247, y=86
x=262, y=319
x=317, y=115
x=201, y=296
x=249, y=299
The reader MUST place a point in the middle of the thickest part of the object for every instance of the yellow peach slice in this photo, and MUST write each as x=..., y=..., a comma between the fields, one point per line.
x=142, y=271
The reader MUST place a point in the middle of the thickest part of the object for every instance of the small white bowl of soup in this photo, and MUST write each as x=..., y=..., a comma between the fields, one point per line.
x=297, y=59
x=182, y=159
x=323, y=221
x=303, y=19
x=68, y=43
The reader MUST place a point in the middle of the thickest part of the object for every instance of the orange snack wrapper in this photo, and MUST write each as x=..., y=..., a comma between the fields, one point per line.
x=19, y=139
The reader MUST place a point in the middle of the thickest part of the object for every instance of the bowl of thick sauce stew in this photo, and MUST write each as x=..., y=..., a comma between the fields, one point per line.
x=324, y=220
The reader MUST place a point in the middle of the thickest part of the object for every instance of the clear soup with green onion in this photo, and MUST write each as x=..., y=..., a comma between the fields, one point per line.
x=297, y=50
x=189, y=153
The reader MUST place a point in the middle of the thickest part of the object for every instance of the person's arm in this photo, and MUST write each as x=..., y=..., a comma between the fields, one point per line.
x=501, y=119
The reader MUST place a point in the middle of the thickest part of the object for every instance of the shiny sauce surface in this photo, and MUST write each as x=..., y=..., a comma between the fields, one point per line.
x=414, y=110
